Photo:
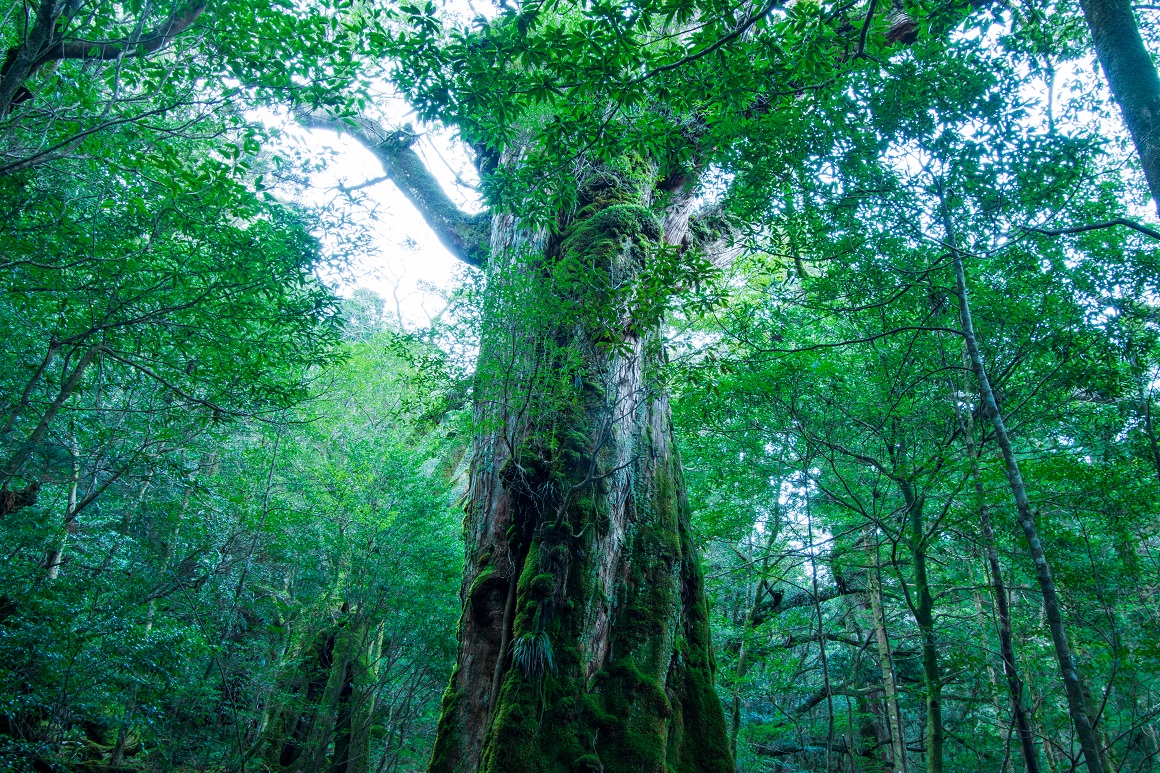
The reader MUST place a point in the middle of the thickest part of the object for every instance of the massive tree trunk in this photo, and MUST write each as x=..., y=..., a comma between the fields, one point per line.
x=584, y=638
x=584, y=641
x=1132, y=77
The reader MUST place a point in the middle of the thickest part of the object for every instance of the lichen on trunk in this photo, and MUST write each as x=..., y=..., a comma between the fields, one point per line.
x=601, y=661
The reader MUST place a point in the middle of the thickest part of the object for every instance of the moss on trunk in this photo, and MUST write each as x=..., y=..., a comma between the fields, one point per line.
x=577, y=494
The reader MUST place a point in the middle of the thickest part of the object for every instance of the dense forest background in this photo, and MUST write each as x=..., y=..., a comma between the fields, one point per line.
x=893, y=269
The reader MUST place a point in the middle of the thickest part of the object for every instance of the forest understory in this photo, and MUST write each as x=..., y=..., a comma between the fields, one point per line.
x=792, y=409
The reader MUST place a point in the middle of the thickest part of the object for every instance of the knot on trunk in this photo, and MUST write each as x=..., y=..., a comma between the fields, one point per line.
x=900, y=27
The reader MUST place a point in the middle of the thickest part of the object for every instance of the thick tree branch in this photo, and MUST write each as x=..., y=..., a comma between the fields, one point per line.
x=19, y=60
x=1097, y=226
x=865, y=29
x=805, y=599
x=178, y=22
x=464, y=235
x=38, y=49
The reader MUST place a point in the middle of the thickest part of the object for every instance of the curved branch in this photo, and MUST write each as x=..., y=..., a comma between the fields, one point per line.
x=22, y=61
x=736, y=33
x=184, y=395
x=20, y=58
x=178, y=22
x=465, y=235
x=867, y=339
x=1096, y=226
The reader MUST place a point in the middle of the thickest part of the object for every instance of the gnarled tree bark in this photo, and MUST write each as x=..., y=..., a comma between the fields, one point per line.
x=577, y=505
x=576, y=511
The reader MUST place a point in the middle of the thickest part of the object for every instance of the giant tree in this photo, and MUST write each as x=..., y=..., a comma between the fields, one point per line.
x=584, y=637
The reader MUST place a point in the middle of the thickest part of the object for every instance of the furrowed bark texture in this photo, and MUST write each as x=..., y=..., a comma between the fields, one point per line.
x=602, y=660
x=1132, y=77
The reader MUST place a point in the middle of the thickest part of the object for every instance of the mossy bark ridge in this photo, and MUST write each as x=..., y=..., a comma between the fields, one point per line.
x=577, y=511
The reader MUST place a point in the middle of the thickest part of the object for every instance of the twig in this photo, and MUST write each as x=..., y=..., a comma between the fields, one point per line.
x=710, y=48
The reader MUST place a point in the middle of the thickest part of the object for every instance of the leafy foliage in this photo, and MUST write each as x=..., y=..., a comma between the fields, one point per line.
x=228, y=498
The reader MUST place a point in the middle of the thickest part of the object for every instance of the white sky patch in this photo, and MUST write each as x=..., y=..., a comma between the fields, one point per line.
x=403, y=261
x=405, y=265
x=408, y=266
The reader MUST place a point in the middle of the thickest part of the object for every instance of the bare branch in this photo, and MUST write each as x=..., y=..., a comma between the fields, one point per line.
x=867, y=339
x=736, y=33
x=865, y=29
x=149, y=372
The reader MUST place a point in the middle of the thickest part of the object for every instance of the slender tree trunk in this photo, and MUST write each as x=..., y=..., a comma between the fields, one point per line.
x=1150, y=732
x=821, y=631
x=1006, y=644
x=1053, y=763
x=924, y=618
x=1073, y=684
x=131, y=704
x=577, y=497
x=366, y=683
x=1132, y=77
x=299, y=719
x=751, y=620
x=26, y=395
x=333, y=719
x=56, y=555
x=984, y=626
x=344, y=715
x=885, y=663
x=1002, y=608
x=170, y=549
x=356, y=668
x=1152, y=444
x=742, y=669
